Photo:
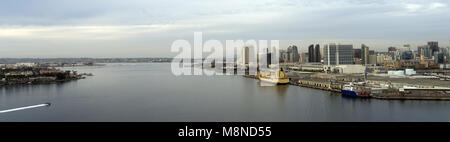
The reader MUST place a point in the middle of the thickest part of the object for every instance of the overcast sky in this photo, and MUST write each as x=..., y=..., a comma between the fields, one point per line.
x=144, y=28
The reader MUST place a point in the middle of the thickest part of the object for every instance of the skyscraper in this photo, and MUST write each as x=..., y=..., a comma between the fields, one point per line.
x=317, y=56
x=311, y=53
x=338, y=54
x=357, y=53
x=357, y=56
x=246, y=55
x=269, y=57
x=283, y=56
x=364, y=54
x=434, y=45
x=425, y=51
x=314, y=53
x=293, y=54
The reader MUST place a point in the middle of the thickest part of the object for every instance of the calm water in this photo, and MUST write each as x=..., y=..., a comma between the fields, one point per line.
x=149, y=92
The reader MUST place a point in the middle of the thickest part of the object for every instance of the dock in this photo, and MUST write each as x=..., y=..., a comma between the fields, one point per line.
x=318, y=84
x=335, y=85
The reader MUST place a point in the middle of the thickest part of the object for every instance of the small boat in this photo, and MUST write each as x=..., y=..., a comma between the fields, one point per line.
x=354, y=91
x=273, y=77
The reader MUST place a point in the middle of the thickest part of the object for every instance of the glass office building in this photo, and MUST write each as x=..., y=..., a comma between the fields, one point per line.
x=338, y=54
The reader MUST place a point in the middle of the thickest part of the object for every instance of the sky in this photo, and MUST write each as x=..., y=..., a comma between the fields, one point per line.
x=147, y=28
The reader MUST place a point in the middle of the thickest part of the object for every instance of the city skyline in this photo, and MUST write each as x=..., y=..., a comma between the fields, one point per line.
x=52, y=29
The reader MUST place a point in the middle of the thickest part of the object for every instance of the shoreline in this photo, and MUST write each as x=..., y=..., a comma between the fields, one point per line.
x=40, y=82
x=330, y=87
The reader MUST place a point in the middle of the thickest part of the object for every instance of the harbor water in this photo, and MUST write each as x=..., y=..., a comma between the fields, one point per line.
x=149, y=92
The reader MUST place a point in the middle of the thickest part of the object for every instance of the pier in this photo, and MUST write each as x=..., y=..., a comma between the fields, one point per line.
x=334, y=83
x=318, y=84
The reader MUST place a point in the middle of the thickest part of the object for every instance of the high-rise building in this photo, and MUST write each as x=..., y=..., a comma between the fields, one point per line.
x=246, y=55
x=420, y=49
x=264, y=58
x=314, y=53
x=407, y=55
x=364, y=54
x=317, y=56
x=372, y=60
x=381, y=58
x=311, y=53
x=357, y=56
x=357, y=53
x=425, y=51
x=293, y=54
x=304, y=58
x=283, y=56
x=434, y=45
x=338, y=54
x=269, y=57
x=447, y=54
x=439, y=57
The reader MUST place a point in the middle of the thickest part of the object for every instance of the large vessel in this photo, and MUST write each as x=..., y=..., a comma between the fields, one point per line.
x=354, y=91
x=273, y=77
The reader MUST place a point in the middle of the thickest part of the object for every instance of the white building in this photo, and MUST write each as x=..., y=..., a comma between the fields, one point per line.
x=25, y=65
x=396, y=73
x=410, y=72
x=351, y=69
x=346, y=69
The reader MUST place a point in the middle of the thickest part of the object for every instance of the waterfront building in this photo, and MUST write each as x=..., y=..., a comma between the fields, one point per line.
x=312, y=67
x=314, y=53
x=264, y=58
x=246, y=55
x=364, y=54
x=249, y=56
x=317, y=55
x=350, y=69
x=357, y=53
x=311, y=53
x=304, y=57
x=337, y=54
x=356, y=56
x=283, y=56
x=293, y=55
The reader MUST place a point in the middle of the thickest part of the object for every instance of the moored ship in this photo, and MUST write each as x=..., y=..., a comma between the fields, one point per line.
x=354, y=91
x=274, y=77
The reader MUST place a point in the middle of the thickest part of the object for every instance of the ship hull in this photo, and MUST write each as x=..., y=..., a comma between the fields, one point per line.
x=349, y=93
x=275, y=81
x=353, y=94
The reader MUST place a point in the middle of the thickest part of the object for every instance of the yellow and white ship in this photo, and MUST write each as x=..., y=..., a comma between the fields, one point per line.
x=273, y=77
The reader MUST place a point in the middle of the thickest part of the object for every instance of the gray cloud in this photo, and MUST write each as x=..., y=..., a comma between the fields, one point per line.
x=55, y=28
